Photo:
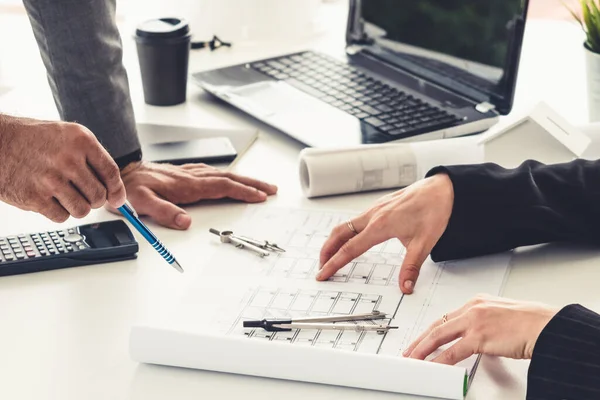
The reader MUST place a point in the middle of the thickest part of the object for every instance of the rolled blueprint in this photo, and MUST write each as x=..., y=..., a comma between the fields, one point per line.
x=326, y=172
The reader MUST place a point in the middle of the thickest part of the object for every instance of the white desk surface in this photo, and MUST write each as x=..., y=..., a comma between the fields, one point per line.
x=64, y=334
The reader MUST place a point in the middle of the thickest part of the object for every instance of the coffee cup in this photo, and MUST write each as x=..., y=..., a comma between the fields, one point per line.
x=163, y=47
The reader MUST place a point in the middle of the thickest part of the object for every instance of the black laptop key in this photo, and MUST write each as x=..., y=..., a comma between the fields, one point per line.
x=370, y=110
x=375, y=122
x=398, y=131
x=386, y=128
x=305, y=88
x=384, y=108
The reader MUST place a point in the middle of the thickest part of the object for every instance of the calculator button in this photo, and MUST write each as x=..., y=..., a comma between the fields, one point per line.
x=31, y=254
x=20, y=256
x=10, y=257
x=81, y=247
x=4, y=247
x=61, y=233
x=71, y=231
x=74, y=238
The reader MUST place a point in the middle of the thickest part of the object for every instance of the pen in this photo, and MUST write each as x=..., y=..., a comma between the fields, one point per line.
x=129, y=213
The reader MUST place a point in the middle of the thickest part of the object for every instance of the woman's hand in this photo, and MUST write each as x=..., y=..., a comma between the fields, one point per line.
x=417, y=216
x=485, y=325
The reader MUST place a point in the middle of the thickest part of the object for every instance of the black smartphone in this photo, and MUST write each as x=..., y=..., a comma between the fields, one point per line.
x=207, y=150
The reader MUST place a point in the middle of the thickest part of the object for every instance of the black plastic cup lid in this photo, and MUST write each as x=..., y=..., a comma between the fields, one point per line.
x=163, y=28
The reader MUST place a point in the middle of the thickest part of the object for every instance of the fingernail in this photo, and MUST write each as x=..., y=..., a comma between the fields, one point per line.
x=409, y=285
x=319, y=275
x=405, y=353
x=182, y=220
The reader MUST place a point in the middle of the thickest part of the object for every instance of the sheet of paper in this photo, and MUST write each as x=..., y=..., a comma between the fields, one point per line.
x=238, y=285
x=326, y=172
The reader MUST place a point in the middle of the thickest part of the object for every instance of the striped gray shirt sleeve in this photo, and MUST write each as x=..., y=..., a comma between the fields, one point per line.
x=81, y=48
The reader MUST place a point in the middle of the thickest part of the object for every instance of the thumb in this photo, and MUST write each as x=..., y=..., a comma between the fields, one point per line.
x=160, y=210
x=416, y=254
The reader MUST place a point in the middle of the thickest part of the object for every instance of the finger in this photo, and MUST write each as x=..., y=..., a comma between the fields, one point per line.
x=350, y=250
x=218, y=188
x=90, y=187
x=255, y=183
x=165, y=213
x=108, y=173
x=416, y=254
x=340, y=235
x=439, y=336
x=73, y=201
x=251, y=182
x=198, y=167
x=54, y=211
x=450, y=316
x=456, y=353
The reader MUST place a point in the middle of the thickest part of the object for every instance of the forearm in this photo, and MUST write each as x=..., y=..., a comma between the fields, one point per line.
x=81, y=49
x=496, y=209
x=565, y=362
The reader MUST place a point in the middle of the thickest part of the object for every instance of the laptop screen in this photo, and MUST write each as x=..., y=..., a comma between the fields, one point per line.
x=469, y=45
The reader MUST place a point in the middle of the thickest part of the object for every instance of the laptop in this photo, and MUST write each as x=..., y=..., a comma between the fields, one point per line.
x=411, y=70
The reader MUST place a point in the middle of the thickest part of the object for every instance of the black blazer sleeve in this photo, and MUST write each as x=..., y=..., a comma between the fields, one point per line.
x=566, y=357
x=497, y=209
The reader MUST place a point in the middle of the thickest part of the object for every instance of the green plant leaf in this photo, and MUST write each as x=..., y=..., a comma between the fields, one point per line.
x=596, y=19
x=593, y=28
x=589, y=12
x=575, y=16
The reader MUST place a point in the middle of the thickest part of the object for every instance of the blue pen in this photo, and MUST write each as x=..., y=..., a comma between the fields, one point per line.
x=129, y=213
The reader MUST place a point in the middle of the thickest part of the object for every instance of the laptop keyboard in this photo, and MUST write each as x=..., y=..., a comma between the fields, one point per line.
x=376, y=103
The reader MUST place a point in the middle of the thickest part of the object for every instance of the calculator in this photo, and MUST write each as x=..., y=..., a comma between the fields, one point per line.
x=83, y=245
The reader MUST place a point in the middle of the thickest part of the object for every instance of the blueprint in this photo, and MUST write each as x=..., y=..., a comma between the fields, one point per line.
x=237, y=285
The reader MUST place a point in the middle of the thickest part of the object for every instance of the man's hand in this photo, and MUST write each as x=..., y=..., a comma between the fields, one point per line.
x=485, y=325
x=56, y=169
x=417, y=216
x=156, y=189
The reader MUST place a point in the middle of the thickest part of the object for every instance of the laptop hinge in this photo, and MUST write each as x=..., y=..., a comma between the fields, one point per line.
x=485, y=107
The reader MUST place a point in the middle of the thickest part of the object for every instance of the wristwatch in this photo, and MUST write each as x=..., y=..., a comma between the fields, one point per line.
x=127, y=159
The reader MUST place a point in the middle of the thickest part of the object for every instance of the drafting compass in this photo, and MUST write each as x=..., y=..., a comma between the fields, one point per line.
x=261, y=247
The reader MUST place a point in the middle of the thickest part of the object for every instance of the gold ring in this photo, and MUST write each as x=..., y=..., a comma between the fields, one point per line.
x=444, y=319
x=351, y=227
